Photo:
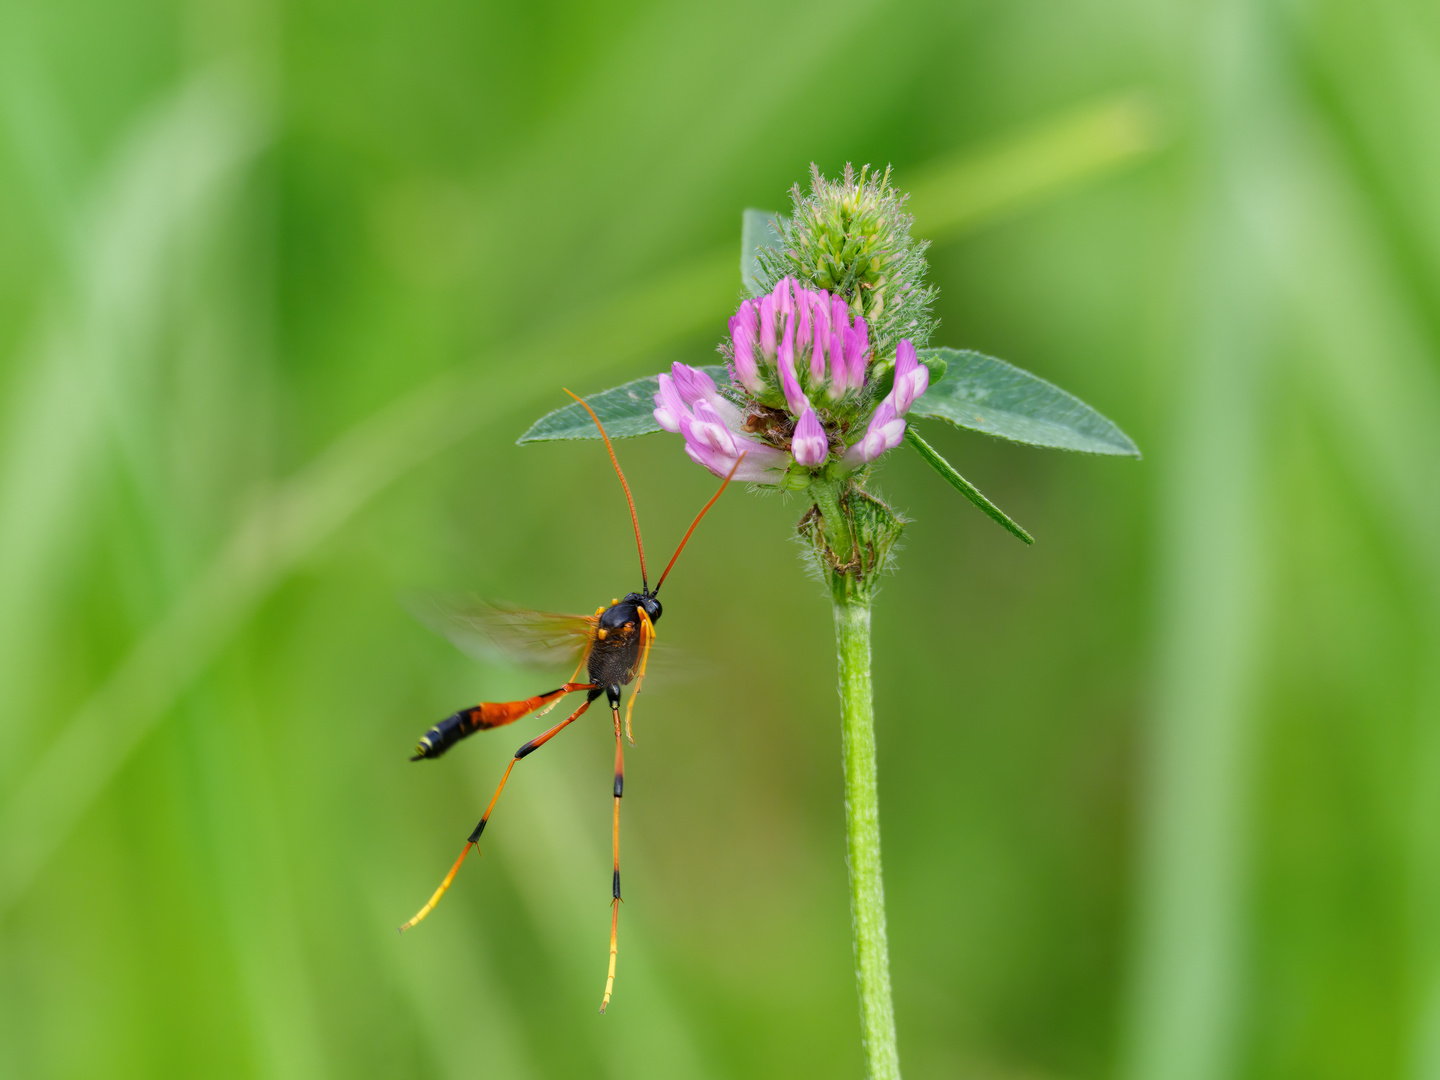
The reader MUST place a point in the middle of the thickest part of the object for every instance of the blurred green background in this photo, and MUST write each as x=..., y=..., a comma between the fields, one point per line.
x=281, y=284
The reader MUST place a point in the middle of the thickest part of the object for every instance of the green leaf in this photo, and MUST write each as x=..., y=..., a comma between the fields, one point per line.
x=989, y=395
x=960, y=484
x=626, y=411
x=756, y=231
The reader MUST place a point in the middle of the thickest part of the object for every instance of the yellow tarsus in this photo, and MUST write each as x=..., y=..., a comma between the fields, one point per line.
x=647, y=631
x=610, y=978
x=435, y=899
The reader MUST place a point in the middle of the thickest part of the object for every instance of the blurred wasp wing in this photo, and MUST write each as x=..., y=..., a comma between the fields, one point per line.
x=497, y=632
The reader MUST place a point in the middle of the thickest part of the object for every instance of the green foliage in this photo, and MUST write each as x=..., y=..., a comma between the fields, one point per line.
x=960, y=484
x=989, y=395
x=626, y=410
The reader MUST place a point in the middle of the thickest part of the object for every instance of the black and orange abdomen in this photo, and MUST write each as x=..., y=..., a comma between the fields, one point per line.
x=482, y=717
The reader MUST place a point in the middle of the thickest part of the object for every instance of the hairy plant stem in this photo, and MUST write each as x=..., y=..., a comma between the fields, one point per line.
x=837, y=530
x=852, y=539
x=862, y=832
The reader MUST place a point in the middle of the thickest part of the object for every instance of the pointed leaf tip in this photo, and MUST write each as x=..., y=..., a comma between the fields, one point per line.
x=960, y=484
x=985, y=394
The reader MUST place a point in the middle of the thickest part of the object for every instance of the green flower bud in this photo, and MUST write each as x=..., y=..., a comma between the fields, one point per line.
x=852, y=237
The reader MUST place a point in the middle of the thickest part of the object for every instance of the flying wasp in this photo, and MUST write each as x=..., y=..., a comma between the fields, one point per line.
x=611, y=646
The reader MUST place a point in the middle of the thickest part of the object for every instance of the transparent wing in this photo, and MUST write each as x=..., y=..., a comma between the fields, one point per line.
x=493, y=631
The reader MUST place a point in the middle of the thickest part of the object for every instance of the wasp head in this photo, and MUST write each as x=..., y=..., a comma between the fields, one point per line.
x=650, y=603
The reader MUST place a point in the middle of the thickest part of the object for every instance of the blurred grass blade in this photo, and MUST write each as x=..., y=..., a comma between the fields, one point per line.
x=756, y=231
x=960, y=484
x=977, y=187
x=625, y=410
x=1365, y=365
x=1188, y=985
x=989, y=395
x=100, y=342
x=42, y=139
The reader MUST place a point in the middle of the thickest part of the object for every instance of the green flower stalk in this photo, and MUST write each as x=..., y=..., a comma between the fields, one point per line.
x=823, y=368
x=826, y=364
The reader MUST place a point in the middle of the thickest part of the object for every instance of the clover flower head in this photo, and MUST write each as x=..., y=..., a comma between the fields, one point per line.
x=845, y=306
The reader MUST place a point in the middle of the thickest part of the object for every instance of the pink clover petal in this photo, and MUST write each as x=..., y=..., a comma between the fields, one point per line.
x=839, y=325
x=819, y=308
x=695, y=386
x=809, y=445
x=802, y=310
x=919, y=383
x=912, y=378
x=760, y=459
x=748, y=315
x=906, y=360
x=820, y=314
x=794, y=397
x=670, y=407
x=730, y=416
x=885, y=432
x=817, y=361
x=692, y=383
x=717, y=463
x=839, y=373
x=782, y=295
x=767, y=327
x=708, y=429
x=763, y=464
x=744, y=330
x=857, y=352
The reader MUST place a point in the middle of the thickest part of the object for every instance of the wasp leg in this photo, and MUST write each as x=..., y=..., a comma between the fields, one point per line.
x=647, y=636
x=614, y=694
x=524, y=751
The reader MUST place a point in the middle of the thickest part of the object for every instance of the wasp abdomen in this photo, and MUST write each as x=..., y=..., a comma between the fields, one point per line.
x=488, y=714
x=447, y=733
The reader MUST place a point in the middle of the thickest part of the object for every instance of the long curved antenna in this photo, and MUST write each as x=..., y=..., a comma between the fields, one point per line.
x=686, y=538
x=633, y=517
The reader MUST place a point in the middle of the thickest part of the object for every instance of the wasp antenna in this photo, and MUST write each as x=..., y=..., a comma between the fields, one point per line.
x=634, y=518
x=703, y=510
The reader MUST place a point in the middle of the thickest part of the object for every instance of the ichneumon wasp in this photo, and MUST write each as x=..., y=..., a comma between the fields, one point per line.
x=612, y=647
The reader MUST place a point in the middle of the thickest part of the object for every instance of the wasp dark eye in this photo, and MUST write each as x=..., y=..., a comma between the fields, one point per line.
x=652, y=608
